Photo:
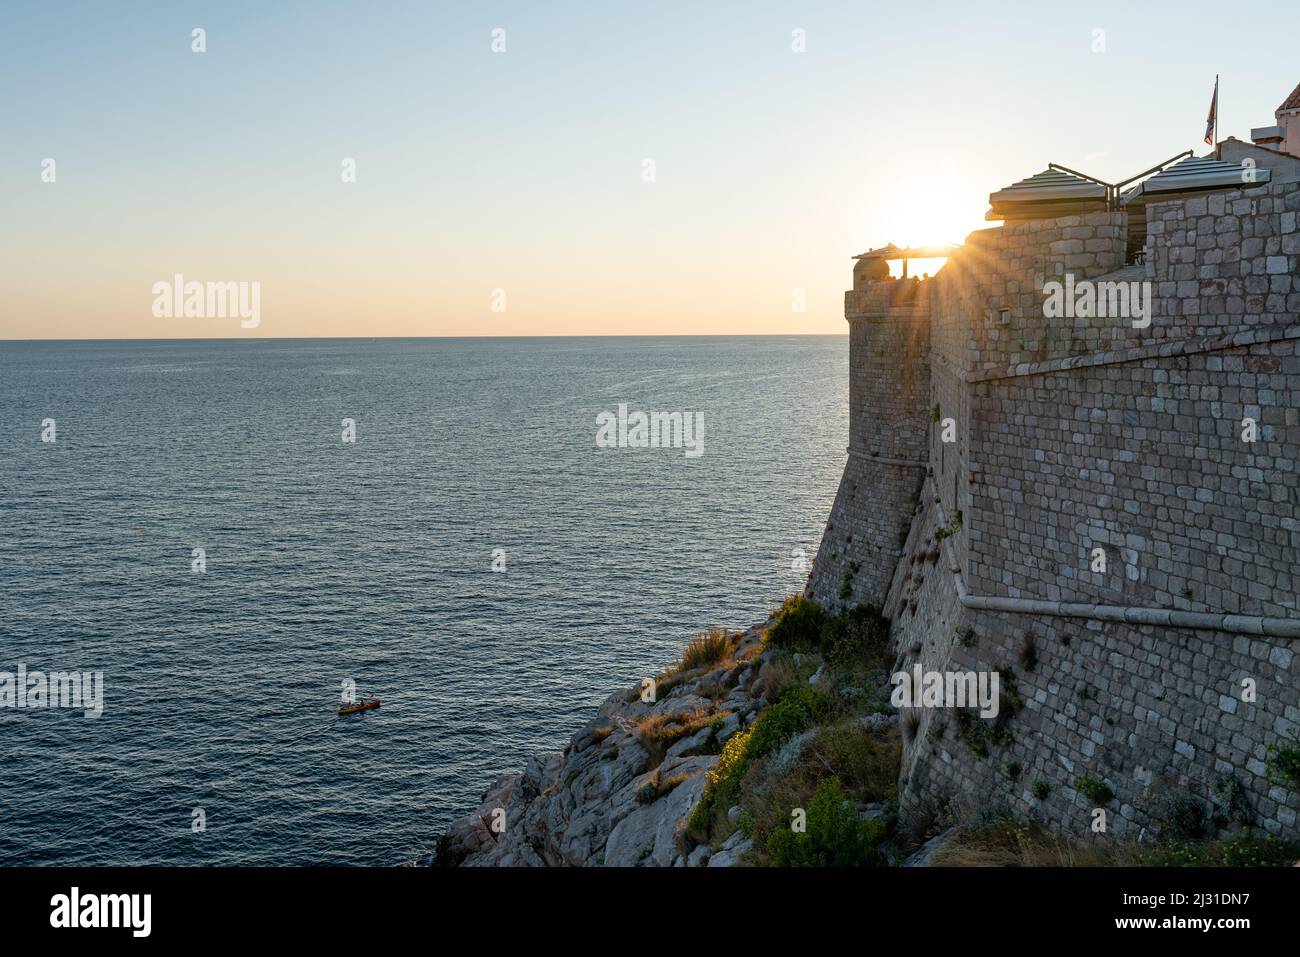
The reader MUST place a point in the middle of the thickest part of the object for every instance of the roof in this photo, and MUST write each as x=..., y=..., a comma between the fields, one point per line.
x=1197, y=172
x=1050, y=184
x=1262, y=150
x=882, y=252
x=911, y=252
x=1292, y=102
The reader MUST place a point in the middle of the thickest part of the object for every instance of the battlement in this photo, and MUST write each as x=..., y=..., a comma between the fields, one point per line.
x=876, y=298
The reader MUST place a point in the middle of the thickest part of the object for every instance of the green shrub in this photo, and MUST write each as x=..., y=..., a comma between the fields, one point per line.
x=1094, y=789
x=799, y=709
x=835, y=635
x=971, y=732
x=1010, y=703
x=865, y=763
x=1041, y=789
x=1181, y=817
x=980, y=734
x=798, y=624
x=857, y=637
x=735, y=757
x=722, y=784
x=934, y=734
x=834, y=836
x=1230, y=797
x=846, y=581
x=951, y=529
x=1243, y=850
x=1284, y=765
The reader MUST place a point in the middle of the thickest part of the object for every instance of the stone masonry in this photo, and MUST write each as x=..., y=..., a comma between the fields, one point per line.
x=888, y=384
x=1168, y=670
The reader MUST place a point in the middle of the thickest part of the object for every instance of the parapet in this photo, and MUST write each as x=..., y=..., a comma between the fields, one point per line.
x=884, y=297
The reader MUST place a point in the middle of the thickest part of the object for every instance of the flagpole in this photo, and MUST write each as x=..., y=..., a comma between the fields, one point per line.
x=1216, y=116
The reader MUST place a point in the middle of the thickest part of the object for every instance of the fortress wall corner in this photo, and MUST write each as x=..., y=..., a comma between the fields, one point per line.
x=889, y=384
x=1073, y=434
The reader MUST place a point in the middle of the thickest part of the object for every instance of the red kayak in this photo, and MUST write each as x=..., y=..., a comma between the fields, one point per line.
x=355, y=707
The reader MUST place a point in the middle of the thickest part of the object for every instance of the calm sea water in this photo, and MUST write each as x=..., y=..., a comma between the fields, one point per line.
x=370, y=561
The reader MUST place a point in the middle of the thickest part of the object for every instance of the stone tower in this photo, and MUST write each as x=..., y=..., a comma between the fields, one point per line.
x=889, y=381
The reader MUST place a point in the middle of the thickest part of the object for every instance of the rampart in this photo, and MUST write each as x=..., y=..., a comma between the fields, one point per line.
x=1103, y=508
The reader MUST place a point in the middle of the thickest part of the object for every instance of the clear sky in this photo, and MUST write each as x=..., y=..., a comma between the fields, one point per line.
x=524, y=171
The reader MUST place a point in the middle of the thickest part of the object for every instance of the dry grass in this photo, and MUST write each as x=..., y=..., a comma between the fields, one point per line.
x=658, y=786
x=712, y=648
x=657, y=732
x=777, y=675
x=1009, y=844
x=1006, y=843
x=867, y=764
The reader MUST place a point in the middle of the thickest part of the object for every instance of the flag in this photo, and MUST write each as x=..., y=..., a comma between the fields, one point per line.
x=1212, y=121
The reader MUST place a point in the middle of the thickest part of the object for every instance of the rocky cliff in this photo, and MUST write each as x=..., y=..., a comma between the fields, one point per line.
x=623, y=789
x=775, y=745
x=1108, y=524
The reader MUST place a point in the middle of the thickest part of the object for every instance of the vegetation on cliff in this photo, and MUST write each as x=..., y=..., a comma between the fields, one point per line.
x=1007, y=843
x=778, y=746
x=813, y=780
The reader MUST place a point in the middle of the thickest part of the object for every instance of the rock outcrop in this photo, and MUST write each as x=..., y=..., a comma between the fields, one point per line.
x=621, y=792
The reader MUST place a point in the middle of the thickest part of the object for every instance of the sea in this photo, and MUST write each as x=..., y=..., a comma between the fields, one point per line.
x=231, y=534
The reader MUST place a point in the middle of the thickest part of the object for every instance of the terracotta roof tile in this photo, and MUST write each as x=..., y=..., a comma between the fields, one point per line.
x=1292, y=101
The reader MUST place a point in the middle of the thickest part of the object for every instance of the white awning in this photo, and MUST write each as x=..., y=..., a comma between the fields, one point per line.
x=1048, y=186
x=1199, y=172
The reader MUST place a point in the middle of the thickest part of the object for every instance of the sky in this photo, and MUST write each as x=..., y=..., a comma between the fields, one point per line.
x=619, y=169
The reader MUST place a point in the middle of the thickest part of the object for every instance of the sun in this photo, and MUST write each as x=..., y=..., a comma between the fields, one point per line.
x=941, y=219
x=929, y=220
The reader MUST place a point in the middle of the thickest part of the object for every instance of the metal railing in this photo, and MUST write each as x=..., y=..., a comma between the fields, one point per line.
x=1113, y=190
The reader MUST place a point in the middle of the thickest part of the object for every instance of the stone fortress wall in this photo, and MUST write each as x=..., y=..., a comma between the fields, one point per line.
x=1071, y=435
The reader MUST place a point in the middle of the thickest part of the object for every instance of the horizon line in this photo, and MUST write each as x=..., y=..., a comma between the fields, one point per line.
x=630, y=335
